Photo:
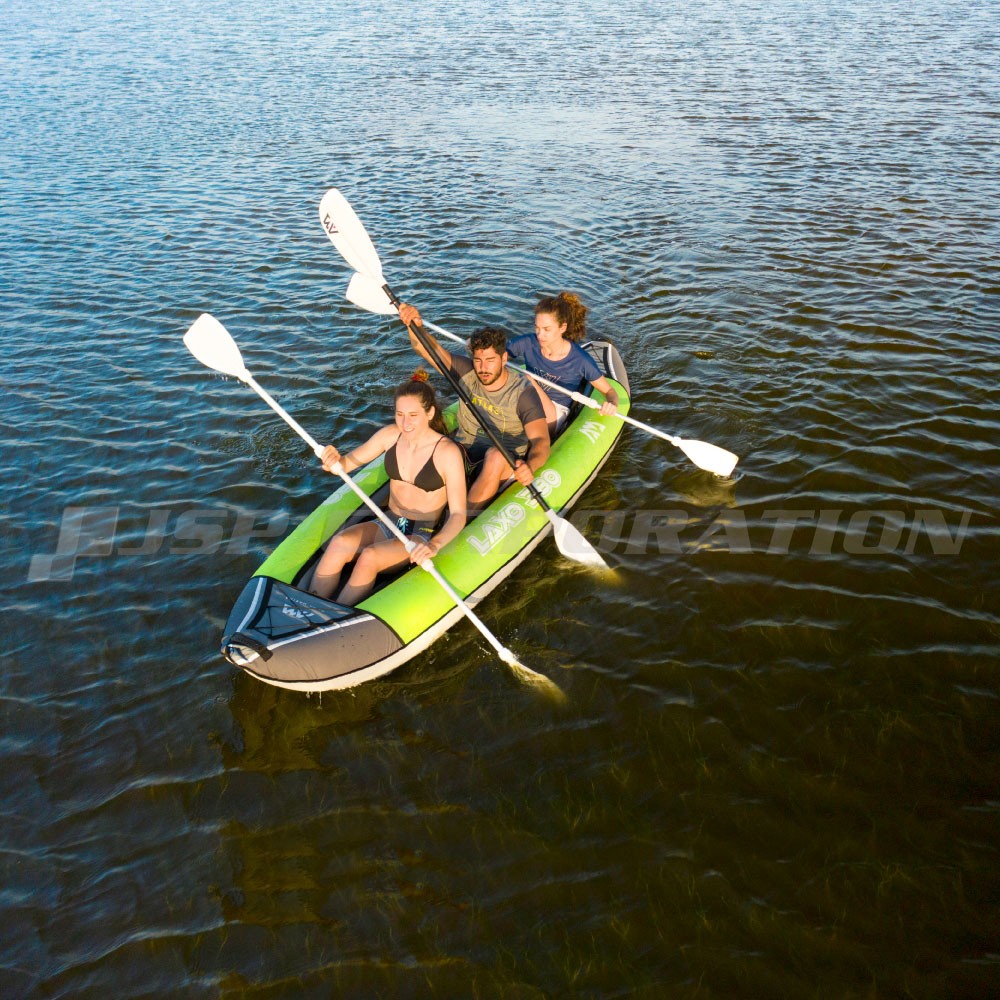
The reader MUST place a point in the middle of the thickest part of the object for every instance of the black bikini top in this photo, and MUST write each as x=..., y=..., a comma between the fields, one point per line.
x=427, y=479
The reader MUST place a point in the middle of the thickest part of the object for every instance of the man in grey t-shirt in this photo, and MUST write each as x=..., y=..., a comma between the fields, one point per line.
x=508, y=401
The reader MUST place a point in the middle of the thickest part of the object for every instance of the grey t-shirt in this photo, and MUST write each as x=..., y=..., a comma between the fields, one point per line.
x=507, y=410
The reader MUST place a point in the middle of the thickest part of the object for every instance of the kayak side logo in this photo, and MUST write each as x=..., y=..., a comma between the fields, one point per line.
x=497, y=527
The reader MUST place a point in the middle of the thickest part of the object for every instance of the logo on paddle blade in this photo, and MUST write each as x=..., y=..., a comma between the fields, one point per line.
x=329, y=225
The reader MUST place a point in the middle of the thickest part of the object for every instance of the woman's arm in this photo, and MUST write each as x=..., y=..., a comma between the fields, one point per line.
x=610, y=404
x=363, y=454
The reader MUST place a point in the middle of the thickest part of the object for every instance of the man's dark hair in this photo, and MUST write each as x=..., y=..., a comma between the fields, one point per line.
x=487, y=337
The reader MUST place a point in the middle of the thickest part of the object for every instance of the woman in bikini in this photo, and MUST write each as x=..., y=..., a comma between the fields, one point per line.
x=554, y=353
x=426, y=474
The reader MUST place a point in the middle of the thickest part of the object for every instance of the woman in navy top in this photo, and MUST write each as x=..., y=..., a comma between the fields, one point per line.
x=554, y=353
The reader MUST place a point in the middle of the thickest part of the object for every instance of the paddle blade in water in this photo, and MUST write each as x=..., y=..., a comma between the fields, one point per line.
x=209, y=341
x=348, y=235
x=533, y=679
x=572, y=544
x=370, y=295
x=708, y=456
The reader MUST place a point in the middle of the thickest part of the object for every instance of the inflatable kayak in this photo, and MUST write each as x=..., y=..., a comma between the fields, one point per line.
x=285, y=636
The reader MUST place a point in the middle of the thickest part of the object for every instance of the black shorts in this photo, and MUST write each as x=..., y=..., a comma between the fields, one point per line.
x=474, y=453
x=423, y=530
x=473, y=456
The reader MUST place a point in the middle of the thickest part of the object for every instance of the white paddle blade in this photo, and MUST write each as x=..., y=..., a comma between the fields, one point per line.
x=572, y=544
x=210, y=342
x=348, y=235
x=370, y=295
x=710, y=457
x=532, y=678
x=523, y=673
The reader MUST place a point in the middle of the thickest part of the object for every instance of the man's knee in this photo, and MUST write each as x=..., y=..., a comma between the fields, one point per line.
x=495, y=463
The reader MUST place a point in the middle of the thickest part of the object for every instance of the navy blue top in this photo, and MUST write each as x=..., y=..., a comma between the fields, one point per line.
x=572, y=372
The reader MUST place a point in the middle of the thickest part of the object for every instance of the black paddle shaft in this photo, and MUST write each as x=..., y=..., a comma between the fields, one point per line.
x=463, y=393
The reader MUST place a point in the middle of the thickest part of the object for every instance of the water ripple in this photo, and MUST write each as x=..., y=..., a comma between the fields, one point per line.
x=780, y=731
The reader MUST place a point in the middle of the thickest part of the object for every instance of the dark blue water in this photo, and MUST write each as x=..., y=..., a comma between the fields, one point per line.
x=776, y=771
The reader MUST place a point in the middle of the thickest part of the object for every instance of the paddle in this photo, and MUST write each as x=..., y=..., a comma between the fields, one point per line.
x=367, y=293
x=350, y=237
x=210, y=342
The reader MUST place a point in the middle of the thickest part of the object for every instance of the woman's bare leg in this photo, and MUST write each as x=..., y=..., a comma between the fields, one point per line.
x=372, y=561
x=340, y=550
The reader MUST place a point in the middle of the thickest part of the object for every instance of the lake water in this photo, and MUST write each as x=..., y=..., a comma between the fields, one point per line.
x=776, y=773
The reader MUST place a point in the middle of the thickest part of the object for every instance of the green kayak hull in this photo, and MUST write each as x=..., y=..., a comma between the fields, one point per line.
x=281, y=634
